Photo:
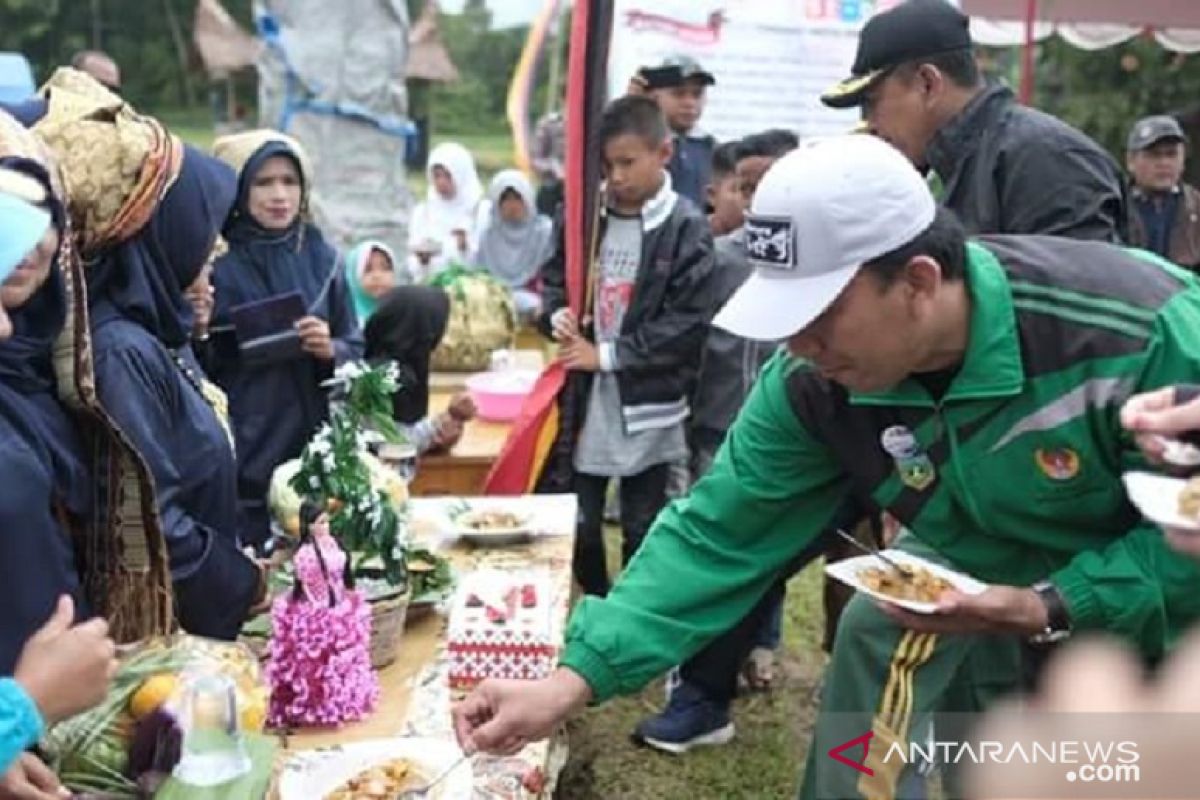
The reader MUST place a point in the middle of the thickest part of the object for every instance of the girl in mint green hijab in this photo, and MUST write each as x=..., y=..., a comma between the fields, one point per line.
x=370, y=274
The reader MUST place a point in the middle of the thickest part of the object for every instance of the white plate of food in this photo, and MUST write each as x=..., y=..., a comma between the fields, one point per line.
x=377, y=769
x=917, y=590
x=493, y=526
x=1165, y=501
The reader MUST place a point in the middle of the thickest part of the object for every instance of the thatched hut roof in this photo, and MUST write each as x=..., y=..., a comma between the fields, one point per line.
x=224, y=47
x=428, y=58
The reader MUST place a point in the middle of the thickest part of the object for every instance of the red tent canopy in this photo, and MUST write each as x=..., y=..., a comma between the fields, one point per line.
x=1148, y=13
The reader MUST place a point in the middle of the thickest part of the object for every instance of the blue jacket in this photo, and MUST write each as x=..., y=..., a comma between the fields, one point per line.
x=148, y=381
x=691, y=167
x=275, y=407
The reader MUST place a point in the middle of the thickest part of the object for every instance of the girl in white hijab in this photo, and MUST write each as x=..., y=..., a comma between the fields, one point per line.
x=517, y=239
x=445, y=228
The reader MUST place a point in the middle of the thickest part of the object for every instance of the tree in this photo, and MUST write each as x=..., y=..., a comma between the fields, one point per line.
x=1103, y=92
x=485, y=59
x=153, y=48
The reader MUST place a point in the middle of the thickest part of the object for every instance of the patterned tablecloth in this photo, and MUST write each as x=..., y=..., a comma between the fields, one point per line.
x=416, y=693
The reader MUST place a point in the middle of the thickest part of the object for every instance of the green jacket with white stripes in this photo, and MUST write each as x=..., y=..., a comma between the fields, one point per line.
x=1014, y=475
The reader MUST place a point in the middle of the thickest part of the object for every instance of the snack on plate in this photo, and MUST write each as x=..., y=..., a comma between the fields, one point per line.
x=1189, y=499
x=381, y=782
x=917, y=584
x=483, y=521
x=500, y=627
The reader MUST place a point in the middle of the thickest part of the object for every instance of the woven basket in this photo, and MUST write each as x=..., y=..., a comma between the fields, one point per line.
x=387, y=626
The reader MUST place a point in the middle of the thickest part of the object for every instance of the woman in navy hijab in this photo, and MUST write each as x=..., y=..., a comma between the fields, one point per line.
x=45, y=492
x=149, y=382
x=276, y=400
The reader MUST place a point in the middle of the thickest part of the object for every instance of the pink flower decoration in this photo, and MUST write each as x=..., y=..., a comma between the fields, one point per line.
x=320, y=661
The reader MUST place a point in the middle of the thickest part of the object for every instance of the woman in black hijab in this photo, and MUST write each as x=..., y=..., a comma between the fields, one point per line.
x=150, y=383
x=406, y=328
x=276, y=251
x=46, y=492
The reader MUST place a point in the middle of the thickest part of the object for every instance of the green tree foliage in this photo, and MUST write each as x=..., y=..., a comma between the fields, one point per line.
x=485, y=59
x=1103, y=92
x=134, y=32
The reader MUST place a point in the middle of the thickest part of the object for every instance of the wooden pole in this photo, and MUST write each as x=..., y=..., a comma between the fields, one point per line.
x=181, y=52
x=1027, y=53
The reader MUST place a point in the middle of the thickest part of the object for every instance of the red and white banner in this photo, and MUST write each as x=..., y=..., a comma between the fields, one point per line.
x=771, y=58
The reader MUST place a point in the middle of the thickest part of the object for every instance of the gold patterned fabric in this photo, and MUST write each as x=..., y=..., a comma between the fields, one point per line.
x=236, y=149
x=121, y=550
x=116, y=164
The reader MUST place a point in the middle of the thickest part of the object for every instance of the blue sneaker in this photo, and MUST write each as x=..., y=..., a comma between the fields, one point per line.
x=689, y=720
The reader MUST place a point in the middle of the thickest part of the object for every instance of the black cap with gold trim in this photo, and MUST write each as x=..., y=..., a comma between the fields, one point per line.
x=913, y=30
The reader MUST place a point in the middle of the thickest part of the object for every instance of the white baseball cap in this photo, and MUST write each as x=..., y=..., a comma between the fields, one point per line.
x=819, y=214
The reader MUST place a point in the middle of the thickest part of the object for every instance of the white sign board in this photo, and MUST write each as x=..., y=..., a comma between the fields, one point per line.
x=771, y=58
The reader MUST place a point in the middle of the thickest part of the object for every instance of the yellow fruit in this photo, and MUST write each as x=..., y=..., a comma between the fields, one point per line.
x=253, y=709
x=334, y=505
x=292, y=525
x=153, y=692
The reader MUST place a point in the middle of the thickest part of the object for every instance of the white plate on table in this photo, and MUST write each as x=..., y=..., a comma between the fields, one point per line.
x=518, y=533
x=847, y=571
x=312, y=774
x=1157, y=497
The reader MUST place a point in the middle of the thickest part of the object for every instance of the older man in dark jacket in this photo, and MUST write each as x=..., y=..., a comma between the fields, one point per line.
x=1166, y=211
x=1005, y=168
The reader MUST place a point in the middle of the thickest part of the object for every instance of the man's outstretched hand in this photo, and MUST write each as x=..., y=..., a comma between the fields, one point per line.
x=501, y=717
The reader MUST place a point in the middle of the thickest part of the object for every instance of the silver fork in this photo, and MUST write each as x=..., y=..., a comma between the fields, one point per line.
x=423, y=792
x=873, y=551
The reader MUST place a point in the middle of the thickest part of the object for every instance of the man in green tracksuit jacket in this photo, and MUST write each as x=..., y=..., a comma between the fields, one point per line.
x=971, y=390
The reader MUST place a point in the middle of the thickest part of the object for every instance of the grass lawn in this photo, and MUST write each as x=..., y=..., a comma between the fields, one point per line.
x=763, y=761
x=193, y=125
x=493, y=151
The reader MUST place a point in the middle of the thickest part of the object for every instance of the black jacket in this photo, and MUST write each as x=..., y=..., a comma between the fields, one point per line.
x=1007, y=168
x=663, y=331
x=730, y=364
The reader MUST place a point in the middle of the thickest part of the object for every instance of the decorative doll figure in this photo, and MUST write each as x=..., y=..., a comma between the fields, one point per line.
x=320, y=669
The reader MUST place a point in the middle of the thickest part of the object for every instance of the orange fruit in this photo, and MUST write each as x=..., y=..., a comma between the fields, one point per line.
x=153, y=692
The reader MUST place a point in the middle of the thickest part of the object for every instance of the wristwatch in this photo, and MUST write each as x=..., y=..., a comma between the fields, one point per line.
x=1058, y=620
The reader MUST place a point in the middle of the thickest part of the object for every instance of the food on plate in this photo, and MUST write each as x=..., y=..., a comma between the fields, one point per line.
x=383, y=782
x=1189, y=499
x=916, y=584
x=491, y=520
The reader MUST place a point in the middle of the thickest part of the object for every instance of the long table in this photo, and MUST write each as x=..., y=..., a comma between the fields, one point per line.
x=461, y=471
x=415, y=698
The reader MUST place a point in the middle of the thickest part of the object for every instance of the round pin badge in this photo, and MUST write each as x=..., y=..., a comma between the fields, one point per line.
x=899, y=442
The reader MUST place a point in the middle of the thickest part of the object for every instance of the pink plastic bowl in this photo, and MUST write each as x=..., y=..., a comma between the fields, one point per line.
x=499, y=395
